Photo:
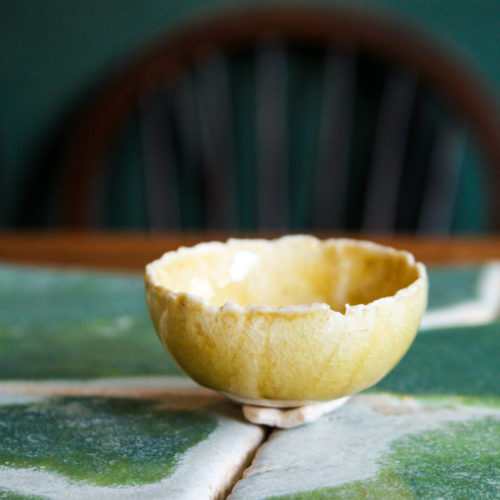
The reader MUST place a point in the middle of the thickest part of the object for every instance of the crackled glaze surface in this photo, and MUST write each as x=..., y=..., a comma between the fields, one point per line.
x=319, y=343
x=296, y=270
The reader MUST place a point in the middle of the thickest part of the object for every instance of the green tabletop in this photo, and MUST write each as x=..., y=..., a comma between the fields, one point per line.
x=92, y=406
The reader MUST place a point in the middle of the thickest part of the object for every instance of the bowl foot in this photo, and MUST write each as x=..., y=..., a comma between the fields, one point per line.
x=291, y=417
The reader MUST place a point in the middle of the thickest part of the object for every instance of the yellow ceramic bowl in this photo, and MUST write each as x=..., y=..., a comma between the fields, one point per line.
x=288, y=321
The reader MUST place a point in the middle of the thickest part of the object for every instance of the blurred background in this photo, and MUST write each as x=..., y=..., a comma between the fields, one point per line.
x=377, y=115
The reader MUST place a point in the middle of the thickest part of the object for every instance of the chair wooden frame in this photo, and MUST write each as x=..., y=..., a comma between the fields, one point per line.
x=168, y=57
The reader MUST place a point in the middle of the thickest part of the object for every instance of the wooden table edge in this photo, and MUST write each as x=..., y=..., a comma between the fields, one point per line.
x=132, y=251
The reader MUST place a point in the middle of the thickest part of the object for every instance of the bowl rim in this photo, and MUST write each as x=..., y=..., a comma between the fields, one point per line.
x=230, y=306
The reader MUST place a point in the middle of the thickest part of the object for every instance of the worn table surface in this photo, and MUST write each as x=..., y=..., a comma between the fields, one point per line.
x=91, y=405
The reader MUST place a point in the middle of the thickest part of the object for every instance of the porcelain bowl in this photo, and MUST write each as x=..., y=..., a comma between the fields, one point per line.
x=286, y=322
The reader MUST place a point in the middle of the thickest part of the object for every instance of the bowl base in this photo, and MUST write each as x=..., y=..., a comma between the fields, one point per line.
x=274, y=403
x=291, y=417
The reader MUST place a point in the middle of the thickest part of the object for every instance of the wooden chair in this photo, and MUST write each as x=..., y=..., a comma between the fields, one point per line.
x=288, y=118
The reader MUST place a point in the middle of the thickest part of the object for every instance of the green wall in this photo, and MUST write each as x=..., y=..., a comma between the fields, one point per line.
x=52, y=52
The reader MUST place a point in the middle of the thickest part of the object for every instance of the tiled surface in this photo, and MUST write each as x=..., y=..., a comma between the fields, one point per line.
x=461, y=361
x=382, y=447
x=449, y=286
x=91, y=405
x=57, y=324
x=179, y=445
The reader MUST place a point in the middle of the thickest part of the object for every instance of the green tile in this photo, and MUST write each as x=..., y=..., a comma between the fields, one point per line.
x=31, y=295
x=381, y=447
x=451, y=285
x=102, y=441
x=102, y=447
x=66, y=324
x=463, y=296
x=97, y=347
x=455, y=361
x=461, y=461
x=9, y=495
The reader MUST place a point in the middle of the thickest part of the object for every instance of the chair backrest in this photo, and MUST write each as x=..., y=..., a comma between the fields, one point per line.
x=291, y=118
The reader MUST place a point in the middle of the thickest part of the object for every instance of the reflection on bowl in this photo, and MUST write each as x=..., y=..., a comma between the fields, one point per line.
x=289, y=321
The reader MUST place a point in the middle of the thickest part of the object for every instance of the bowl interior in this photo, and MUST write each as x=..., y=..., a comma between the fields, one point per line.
x=287, y=271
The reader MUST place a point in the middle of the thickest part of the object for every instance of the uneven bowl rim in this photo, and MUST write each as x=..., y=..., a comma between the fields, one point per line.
x=230, y=306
